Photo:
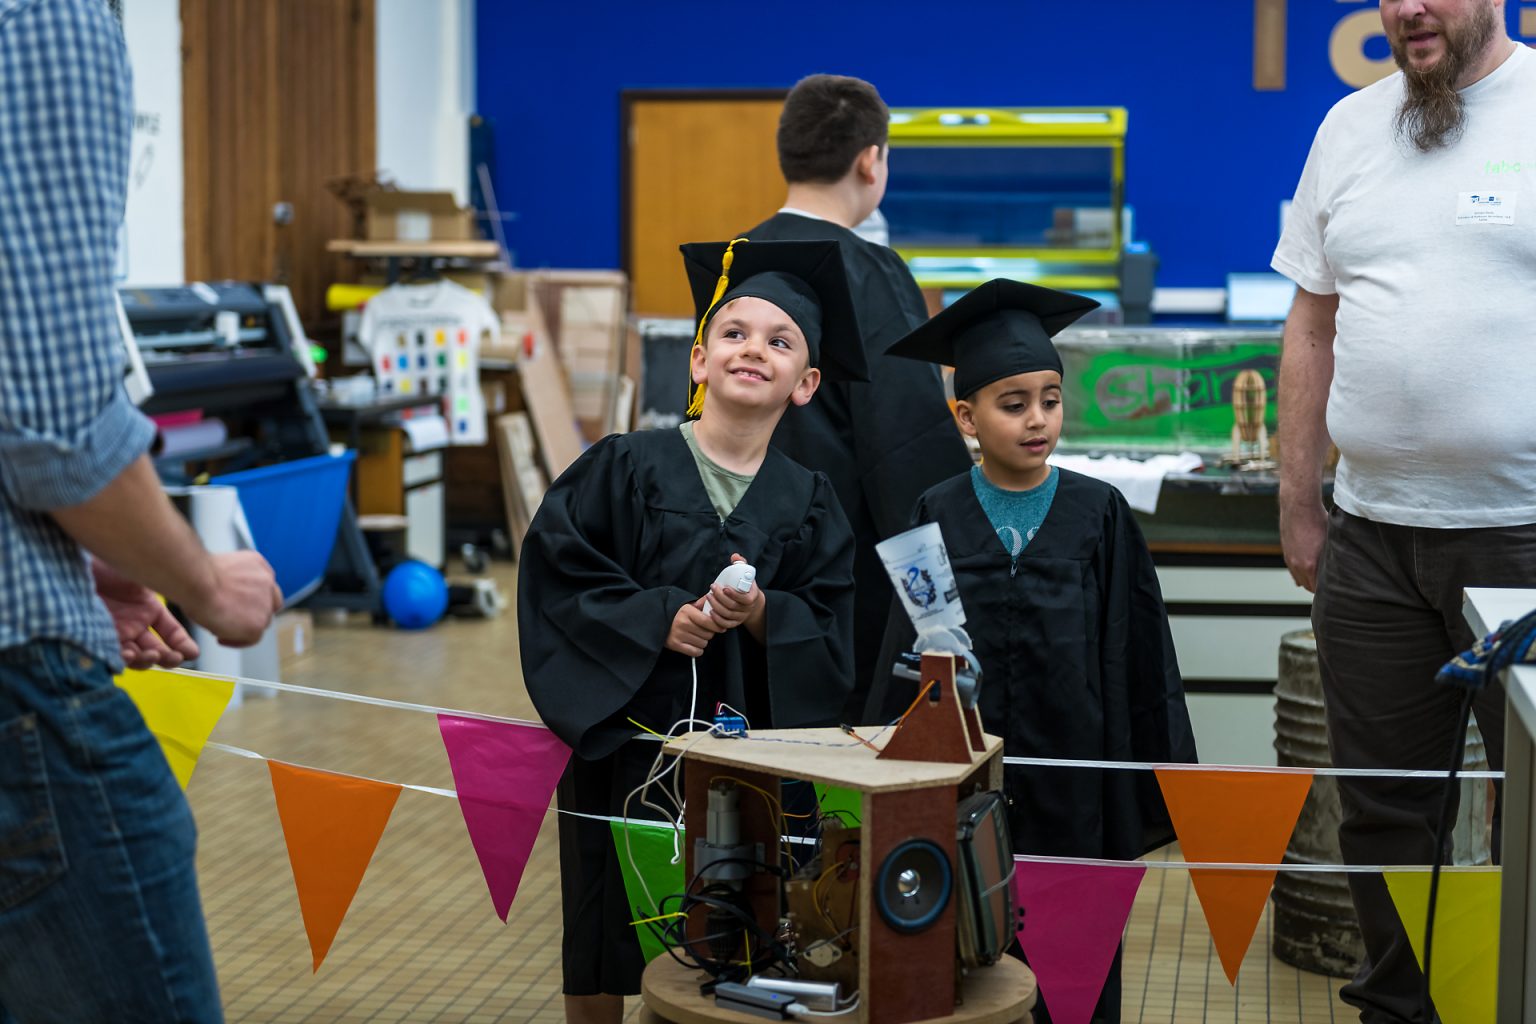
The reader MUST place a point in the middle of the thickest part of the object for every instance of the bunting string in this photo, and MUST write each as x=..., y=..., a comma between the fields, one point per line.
x=1346, y=773
x=356, y=698
x=1021, y=858
x=1031, y=762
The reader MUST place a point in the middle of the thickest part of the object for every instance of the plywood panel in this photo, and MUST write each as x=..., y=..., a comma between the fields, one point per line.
x=911, y=976
x=825, y=755
x=699, y=169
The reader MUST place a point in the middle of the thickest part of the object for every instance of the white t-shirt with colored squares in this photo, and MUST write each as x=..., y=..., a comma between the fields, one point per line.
x=425, y=339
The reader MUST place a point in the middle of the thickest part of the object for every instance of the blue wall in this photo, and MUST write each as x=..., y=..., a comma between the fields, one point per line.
x=1208, y=159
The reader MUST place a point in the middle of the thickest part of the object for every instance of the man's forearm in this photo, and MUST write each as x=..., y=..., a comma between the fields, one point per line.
x=1306, y=374
x=131, y=525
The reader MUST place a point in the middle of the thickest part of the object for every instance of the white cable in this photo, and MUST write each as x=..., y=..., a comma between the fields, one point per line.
x=653, y=777
x=801, y=1010
x=745, y=720
x=693, y=700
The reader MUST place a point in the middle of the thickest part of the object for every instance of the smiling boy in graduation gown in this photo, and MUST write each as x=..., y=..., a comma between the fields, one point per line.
x=1061, y=599
x=627, y=544
x=884, y=442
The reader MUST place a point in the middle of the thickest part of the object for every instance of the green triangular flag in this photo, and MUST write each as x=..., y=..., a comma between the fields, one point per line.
x=841, y=804
x=650, y=846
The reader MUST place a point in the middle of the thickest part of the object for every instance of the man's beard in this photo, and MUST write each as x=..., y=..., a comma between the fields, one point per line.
x=1433, y=115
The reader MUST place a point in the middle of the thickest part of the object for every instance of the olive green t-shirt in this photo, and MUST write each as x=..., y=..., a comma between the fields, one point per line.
x=723, y=487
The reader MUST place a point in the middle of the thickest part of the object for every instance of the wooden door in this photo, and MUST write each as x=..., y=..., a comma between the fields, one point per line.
x=698, y=167
x=277, y=99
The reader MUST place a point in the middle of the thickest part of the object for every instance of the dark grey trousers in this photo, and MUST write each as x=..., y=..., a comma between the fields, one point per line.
x=1387, y=615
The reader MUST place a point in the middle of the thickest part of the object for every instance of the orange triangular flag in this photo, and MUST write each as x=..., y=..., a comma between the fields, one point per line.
x=1234, y=818
x=331, y=823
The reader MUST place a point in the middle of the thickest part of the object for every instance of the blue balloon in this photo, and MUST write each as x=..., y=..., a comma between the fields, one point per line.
x=415, y=595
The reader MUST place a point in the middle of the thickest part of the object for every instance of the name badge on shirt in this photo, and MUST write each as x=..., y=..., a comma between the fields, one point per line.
x=1485, y=207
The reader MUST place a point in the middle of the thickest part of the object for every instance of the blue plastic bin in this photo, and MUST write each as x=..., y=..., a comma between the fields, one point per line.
x=294, y=509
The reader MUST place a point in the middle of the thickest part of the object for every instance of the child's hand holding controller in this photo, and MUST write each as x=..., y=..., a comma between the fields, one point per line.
x=733, y=600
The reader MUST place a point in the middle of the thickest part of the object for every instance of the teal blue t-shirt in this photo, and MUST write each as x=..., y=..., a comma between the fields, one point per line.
x=1015, y=515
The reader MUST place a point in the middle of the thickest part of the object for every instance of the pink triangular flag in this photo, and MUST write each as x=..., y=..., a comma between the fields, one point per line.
x=505, y=774
x=1072, y=918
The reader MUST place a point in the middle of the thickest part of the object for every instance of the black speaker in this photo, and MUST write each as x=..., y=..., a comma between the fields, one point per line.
x=914, y=885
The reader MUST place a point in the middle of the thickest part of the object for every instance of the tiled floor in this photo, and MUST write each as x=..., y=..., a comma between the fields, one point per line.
x=422, y=941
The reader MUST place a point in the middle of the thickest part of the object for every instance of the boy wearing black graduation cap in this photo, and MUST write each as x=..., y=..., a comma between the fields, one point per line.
x=1061, y=599
x=624, y=550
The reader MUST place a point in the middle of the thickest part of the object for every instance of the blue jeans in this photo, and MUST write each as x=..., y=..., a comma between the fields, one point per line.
x=100, y=919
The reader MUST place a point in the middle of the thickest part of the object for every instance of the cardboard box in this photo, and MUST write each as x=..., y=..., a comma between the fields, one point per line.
x=417, y=217
x=509, y=291
x=295, y=635
x=584, y=311
x=523, y=329
x=581, y=314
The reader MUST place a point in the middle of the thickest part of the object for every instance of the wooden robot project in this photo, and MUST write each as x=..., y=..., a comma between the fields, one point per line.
x=900, y=914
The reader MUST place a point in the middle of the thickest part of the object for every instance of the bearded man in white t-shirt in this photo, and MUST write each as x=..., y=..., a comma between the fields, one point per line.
x=1412, y=343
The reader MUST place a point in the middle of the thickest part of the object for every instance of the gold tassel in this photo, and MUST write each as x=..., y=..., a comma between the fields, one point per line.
x=696, y=392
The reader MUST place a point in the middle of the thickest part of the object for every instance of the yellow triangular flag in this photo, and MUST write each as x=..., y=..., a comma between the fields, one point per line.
x=181, y=709
x=1466, y=968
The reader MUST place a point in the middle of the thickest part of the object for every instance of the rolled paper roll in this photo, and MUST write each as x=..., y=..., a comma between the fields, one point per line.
x=190, y=437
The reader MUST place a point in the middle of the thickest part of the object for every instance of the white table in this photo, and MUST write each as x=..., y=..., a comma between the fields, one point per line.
x=1486, y=609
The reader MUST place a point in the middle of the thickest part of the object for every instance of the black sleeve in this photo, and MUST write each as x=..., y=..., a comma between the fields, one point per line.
x=1140, y=667
x=589, y=635
x=808, y=626
x=904, y=439
x=907, y=440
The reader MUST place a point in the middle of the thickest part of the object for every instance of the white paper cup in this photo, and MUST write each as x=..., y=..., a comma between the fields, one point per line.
x=920, y=571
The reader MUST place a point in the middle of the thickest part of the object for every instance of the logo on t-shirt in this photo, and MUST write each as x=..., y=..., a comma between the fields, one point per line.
x=1012, y=539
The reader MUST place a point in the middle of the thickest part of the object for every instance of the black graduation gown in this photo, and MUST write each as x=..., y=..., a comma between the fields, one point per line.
x=625, y=538
x=622, y=540
x=881, y=443
x=1078, y=661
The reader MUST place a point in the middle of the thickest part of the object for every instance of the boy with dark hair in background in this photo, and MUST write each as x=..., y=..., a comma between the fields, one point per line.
x=884, y=442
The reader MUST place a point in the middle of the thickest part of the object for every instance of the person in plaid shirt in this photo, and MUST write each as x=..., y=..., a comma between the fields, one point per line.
x=100, y=918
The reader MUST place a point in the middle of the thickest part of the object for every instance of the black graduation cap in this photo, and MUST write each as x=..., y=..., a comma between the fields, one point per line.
x=994, y=331
x=804, y=279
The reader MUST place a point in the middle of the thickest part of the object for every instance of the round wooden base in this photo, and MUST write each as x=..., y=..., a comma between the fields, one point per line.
x=1002, y=994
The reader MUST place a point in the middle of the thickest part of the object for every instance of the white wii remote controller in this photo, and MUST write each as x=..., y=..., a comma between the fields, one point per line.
x=737, y=575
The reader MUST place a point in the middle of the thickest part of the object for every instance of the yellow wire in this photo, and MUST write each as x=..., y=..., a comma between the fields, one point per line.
x=773, y=805
x=816, y=897
x=641, y=725
x=773, y=801
x=696, y=397
x=659, y=917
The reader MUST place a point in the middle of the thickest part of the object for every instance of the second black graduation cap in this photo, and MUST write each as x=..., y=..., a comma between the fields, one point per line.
x=804, y=279
x=994, y=331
